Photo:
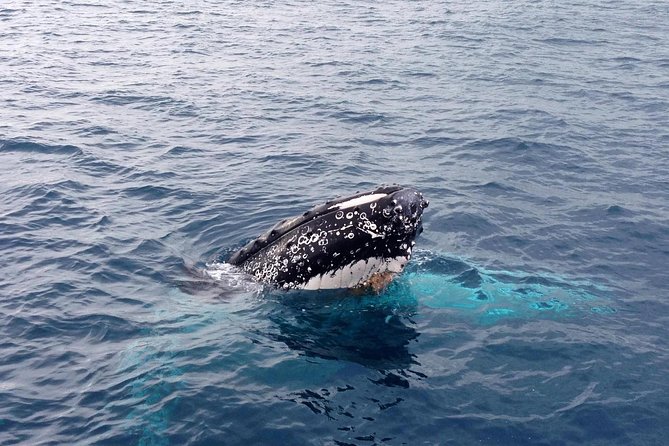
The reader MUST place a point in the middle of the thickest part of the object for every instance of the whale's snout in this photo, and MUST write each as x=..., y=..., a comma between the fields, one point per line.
x=405, y=209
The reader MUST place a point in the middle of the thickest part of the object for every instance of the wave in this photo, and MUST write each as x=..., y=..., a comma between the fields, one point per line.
x=22, y=146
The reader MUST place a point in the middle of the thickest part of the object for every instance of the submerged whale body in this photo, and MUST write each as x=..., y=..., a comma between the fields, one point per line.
x=357, y=241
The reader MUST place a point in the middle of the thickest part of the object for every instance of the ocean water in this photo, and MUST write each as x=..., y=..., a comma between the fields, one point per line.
x=142, y=142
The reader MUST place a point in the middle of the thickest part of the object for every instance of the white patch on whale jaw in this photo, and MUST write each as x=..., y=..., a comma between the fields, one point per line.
x=357, y=201
x=354, y=274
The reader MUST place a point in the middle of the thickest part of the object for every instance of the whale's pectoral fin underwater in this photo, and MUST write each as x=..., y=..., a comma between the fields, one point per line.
x=361, y=241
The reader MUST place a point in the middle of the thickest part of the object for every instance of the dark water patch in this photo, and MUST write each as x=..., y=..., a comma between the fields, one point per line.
x=436, y=141
x=95, y=166
x=565, y=163
x=101, y=223
x=391, y=380
x=128, y=98
x=95, y=130
x=148, y=247
x=64, y=221
x=235, y=140
x=616, y=210
x=94, y=327
x=496, y=188
x=9, y=11
x=51, y=198
x=67, y=262
x=518, y=148
x=50, y=244
x=569, y=42
x=151, y=175
x=130, y=267
x=355, y=171
x=362, y=334
x=420, y=74
x=469, y=279
x=148, y=193
x=373, y=81
x=9, y=146
x=330, y=63
x=105, y=276
x=606, y=429
x=376, y=142
x=87, y=5
x=359, y=118
x=179, y=151
x=626, y=59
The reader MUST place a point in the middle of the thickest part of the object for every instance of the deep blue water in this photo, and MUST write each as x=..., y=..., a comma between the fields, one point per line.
x=141, y=142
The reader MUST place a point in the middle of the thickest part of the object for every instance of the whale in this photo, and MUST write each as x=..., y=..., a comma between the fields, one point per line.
x=357, y=242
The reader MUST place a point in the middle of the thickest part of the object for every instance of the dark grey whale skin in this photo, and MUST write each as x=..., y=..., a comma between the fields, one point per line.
x=327, y=238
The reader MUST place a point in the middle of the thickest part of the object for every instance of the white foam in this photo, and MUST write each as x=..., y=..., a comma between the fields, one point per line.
x=231, y=276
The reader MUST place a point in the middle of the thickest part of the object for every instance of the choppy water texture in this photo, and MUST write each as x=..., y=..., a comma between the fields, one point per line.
x=142, y=141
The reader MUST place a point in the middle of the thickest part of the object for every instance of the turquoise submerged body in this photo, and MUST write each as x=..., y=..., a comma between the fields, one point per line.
x=344, y=243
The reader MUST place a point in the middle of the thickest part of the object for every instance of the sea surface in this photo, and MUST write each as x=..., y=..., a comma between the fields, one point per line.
x=142, y=142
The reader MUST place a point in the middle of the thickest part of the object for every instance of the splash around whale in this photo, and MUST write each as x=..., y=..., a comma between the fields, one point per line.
x=358, y=241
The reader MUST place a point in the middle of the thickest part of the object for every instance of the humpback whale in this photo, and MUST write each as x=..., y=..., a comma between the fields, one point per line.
x=358, y=241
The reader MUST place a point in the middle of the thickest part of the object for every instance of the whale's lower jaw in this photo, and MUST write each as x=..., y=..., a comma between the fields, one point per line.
x=357, y=274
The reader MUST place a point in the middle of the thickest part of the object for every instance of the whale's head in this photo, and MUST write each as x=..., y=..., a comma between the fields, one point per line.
x=344, y=243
